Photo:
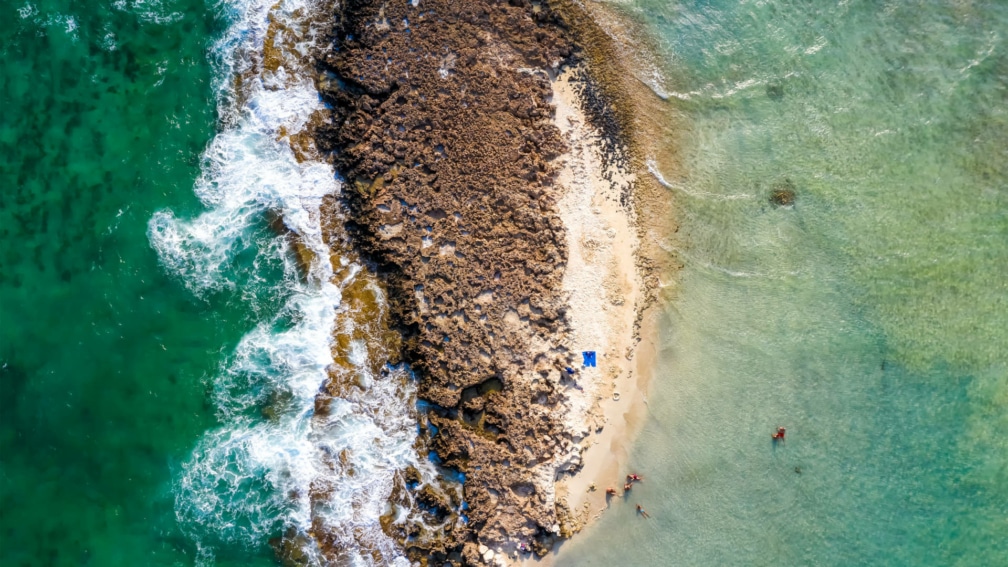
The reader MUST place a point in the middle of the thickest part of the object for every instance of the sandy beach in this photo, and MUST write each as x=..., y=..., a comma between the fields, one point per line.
x=604, y=290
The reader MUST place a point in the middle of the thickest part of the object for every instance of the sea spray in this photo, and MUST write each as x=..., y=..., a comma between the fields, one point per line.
x=289, y=457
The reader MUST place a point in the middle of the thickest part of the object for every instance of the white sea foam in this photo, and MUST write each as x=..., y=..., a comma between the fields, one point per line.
x=652, y=167
x=252, y=478
x=246, y=172
x=268, y=361
x=27, y=11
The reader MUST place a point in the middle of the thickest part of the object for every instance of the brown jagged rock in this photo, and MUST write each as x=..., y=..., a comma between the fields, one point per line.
x=441, y=127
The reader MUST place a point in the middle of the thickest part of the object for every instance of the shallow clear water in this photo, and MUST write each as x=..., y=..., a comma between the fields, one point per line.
x=868, y=318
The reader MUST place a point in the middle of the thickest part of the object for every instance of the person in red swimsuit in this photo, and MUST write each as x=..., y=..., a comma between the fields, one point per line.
x=779, y=434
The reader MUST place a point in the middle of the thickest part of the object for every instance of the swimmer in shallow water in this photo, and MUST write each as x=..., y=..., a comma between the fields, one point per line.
x=779, y=435
x=642, y=512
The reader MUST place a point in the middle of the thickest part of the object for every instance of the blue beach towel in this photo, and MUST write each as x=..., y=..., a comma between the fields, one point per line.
x=589, y=358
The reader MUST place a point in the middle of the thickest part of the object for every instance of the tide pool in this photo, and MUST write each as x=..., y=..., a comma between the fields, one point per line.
x=867, y=318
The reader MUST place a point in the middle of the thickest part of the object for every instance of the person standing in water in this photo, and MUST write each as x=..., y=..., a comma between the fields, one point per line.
x=779, y=435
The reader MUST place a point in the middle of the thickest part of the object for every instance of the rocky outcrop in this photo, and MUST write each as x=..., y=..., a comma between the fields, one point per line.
x=442, y=130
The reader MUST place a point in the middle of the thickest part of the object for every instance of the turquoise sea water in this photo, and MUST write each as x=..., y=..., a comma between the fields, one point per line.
x=868, y=318
x=107, y=107
x=161, y=344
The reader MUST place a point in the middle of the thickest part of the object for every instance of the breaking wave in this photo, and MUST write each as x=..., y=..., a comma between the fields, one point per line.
x=276, y=466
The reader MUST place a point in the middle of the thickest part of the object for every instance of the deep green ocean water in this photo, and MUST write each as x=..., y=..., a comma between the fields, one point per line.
x=160, y=346
x=107, y=107
x=869, y=318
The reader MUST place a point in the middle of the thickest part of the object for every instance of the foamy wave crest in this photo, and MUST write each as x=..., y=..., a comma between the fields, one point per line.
x=279, y=466
x=229, y=490
x=287, y=363
x=246, y=172
x=368, y=439
x=249, y=167
x=250, y=481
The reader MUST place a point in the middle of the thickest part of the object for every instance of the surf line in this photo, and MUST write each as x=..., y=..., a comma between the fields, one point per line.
x=309, y=451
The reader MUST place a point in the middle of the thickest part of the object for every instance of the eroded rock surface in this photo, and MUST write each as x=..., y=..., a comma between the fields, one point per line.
x=442, y=129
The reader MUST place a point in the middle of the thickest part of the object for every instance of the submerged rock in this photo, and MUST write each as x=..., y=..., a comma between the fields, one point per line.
x=783, y=193
x=775, y=91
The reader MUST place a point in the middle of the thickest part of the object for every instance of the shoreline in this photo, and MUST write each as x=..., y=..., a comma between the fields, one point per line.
x=612, y=310
x=620, y=57
x=605, y=292
x=502, y=208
